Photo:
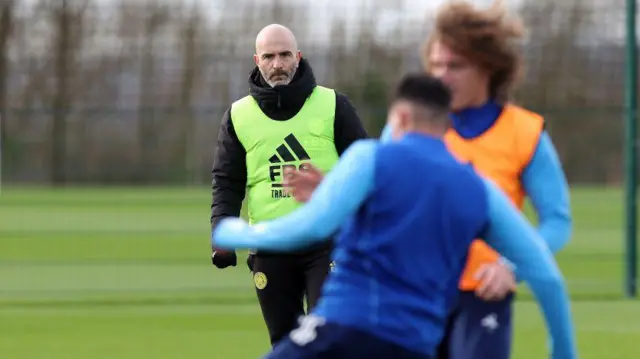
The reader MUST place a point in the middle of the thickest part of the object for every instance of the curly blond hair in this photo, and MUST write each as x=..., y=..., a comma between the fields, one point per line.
x=485, y=37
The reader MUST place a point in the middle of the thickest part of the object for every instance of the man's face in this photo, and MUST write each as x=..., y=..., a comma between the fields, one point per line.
x=277, y=60
x=468, y=83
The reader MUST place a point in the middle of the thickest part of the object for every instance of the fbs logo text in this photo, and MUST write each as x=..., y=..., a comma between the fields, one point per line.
x=288, y=156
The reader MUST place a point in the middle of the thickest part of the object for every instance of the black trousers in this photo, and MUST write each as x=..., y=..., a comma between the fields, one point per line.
x=283, y=281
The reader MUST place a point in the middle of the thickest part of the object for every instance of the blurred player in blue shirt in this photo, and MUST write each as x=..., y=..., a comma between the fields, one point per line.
x=407, y=211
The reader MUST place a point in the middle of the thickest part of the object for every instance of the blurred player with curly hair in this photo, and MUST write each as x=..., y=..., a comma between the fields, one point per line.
x=473, y=51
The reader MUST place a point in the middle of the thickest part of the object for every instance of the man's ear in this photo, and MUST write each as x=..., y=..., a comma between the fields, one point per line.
x=405, y=117
x=256, y=59
x=299, y=55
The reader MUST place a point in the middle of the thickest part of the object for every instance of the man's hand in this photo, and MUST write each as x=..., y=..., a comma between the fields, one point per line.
x=496, y=281
x=223, y=259
x=302, y=183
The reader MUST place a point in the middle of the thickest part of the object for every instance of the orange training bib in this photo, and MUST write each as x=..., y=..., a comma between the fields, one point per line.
x=500, y=154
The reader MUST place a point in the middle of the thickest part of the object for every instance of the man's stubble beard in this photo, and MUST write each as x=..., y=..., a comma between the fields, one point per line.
x=280, y=82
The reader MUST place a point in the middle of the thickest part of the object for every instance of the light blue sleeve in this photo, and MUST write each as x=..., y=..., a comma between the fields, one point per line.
x=511, y=234
x=385, y=136
x=546, y=186
x=337, y=198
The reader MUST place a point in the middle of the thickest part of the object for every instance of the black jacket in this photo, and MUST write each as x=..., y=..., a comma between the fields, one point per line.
x=279, y=103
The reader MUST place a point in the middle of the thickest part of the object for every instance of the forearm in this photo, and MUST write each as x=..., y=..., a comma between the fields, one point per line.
x=554, y=301
x=556, y=232
x=336, y=199
x=514, y=237
x=291, y=232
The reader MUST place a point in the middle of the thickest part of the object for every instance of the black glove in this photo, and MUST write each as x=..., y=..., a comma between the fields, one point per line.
x=250, y=261
x=224, y=259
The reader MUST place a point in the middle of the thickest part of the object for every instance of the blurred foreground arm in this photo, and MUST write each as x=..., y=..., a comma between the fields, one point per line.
x=512, y=236
x=336, y=199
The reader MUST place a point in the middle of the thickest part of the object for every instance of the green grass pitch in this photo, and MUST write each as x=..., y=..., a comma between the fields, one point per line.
x=125, y=273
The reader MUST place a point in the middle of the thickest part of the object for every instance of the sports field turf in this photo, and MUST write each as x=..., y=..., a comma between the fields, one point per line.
x=125, y=273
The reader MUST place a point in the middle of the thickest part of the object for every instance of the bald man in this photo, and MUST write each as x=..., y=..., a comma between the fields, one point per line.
x=286, y=122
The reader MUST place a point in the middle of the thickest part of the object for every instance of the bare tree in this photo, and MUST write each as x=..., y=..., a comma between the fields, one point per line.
x=368, y=68
x=189, y=35
x=6, y=27
x=67, y=18
x=553, y=48
x=174, y=60
x=565, y=83
x=36, y=67
x=157, y=18
x=62, y=17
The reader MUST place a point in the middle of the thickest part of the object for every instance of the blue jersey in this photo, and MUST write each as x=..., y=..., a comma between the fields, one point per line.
x=400, y=257
x=408, y=212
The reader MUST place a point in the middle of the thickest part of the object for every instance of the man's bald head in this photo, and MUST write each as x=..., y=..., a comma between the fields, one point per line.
x=277, y=55
x=275, y=33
